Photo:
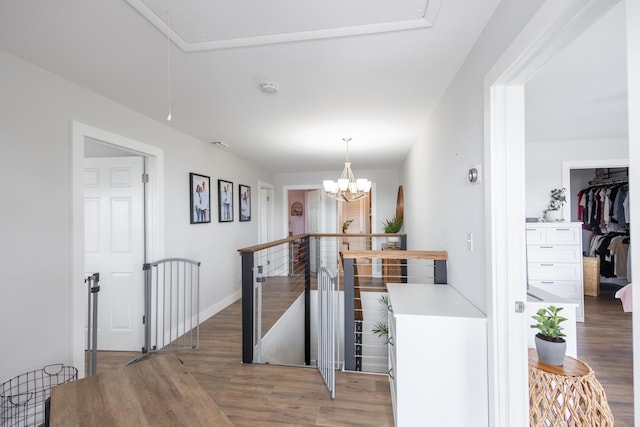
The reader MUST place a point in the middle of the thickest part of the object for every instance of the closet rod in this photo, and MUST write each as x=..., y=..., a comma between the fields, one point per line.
x=609, y=181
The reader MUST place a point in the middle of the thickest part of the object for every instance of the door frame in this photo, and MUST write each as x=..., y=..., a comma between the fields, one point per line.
x=265, y=234
x=154, y=218
x=569, y=165
x=554, y=26
x=322, y=221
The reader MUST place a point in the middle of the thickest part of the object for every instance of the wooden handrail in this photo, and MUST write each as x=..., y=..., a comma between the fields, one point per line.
x=434, y=255
x=268, y=245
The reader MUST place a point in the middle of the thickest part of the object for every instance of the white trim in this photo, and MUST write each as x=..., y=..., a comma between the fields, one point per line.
x=270, y=215
x=285, y=204
x=219, y=306
x=432, y=7
x=568, y=165
x=154, y=220
x=554, y=26
x=633, y=99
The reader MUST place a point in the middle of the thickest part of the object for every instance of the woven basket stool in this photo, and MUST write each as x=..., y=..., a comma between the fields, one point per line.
x=568, y=395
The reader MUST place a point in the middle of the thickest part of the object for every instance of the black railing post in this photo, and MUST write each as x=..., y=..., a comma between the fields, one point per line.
x=349, y=316
x=440, y=272
x=403, y=263
x=247, y=307
x=307, y=300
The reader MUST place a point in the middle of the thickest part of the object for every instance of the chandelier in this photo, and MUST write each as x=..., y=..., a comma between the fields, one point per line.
x=347, y=188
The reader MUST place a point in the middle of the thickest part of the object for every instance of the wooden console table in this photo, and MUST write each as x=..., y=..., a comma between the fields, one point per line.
x=156, y=391
x=568, y=395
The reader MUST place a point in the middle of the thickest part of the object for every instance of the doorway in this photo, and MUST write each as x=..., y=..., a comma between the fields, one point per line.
x=153, y=216
x=355, y=218
x=558, y=24
x=303, y=215
x=114, y=245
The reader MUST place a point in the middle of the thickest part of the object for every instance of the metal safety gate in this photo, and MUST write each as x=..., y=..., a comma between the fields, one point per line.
x=326, y=328
x=171, y=306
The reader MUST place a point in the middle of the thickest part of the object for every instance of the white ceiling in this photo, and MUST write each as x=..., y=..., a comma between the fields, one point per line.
x=371, y=70
x=581, y=93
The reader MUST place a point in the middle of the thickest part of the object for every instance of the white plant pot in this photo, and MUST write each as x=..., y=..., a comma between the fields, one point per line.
x=393, y=239
x=553, y=216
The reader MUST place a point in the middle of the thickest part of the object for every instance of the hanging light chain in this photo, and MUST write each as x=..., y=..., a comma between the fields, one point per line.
x=168, y=66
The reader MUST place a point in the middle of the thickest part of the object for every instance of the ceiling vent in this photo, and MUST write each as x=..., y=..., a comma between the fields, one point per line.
x=269, y=88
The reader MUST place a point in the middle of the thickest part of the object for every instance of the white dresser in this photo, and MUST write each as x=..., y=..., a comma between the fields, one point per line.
x=437, y=357
x=554, y=260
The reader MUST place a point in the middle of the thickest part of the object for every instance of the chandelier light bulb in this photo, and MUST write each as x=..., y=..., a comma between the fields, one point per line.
x=347, y=188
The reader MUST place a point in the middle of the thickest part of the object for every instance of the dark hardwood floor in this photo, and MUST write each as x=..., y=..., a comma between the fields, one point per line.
x=269, y=395
x=605, y=344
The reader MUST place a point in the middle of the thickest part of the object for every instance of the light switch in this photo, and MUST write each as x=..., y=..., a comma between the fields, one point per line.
x=470, y=242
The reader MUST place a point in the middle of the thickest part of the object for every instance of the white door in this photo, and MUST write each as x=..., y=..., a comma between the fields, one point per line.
x=114, y=247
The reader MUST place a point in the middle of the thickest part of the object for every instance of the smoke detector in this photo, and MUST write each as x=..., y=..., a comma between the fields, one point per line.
x=269, y=88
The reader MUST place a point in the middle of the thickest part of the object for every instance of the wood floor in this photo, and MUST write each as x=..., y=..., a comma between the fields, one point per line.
x=605, y=344
x=269, y=395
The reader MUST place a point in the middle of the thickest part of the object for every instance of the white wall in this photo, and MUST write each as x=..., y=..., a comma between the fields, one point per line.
x=441, y=206
x=36, y=110
x=544, y=165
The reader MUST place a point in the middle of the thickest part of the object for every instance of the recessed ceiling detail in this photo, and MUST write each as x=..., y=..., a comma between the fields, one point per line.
x=200, y=26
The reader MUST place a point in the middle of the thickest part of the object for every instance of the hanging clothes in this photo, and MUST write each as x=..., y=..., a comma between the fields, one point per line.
x=613, y=250
x=604, y=208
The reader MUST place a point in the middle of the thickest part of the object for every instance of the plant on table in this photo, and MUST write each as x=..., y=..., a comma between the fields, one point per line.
x=557, y=200
x=550, y=344
x=392, y=225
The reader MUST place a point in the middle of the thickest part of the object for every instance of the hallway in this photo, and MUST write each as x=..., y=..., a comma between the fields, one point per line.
x=275, y=395
x=269, y=395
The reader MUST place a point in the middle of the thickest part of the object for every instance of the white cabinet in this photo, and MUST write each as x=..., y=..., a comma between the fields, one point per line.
x=554, y=260
x=437, y=357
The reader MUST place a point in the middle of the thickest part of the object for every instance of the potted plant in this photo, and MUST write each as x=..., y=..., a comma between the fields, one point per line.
x=345, y=225
x=554, y=210
x=550, y=344
x=381, y=329
x=392, y=225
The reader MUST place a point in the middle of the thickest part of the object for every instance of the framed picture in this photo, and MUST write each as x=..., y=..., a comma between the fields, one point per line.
x=297, y=209
x=225, y=201
x=200, y=199
x=245, y=202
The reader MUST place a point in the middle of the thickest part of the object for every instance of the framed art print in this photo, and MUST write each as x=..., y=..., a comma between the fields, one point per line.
x=200, y=200
x=245, y=202
x=225, y=201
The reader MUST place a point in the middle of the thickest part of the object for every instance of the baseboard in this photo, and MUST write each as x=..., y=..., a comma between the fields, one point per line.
x=219, y=306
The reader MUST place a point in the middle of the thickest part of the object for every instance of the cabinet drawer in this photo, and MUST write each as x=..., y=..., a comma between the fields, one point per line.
x=554, y=253
x=536, y=236
x=568, y=289
x=563, y=235
x=554, y=271
x=557, y=235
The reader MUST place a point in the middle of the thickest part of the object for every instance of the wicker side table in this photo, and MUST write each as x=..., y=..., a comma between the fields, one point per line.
x=568, y=395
